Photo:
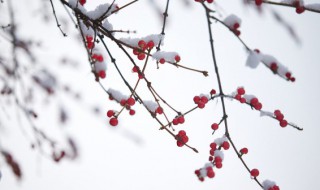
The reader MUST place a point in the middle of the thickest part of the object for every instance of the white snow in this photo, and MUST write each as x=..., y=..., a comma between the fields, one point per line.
x=87, y=31
x=168, y=56
x=156, y=38
x=267, y=184
x=101, y=10
x=118, y=96
x=231, y=20
x=151, y=105
x=266, y=113
x=220, y=140
x=107, y=25
x=315, y=6
x=253, y=59
x=219, y=153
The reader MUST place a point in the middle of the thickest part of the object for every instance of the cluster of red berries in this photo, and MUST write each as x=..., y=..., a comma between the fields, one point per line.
x=136, y=69
x=82, y=2
x=240, y=93
x=178, y=120
x=177, y=58
x=182, y=138
x=99, y=58
x=201, y=100
x=113, y=119
x=290, y=77
x=253, y=101
x=214, y=158
x=127, y=103
x=299, y=6
x=280, y=117
x=235, y=29
x=139, y=52
x=208, y=172
x=90, y=43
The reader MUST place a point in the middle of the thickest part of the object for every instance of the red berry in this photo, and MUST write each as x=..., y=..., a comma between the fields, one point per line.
x=123, y=102
x=288, y=75
x=237, y=97
x=180, y=143
x=135, y=69
x=244, y=151
x=132, y=112
x=243, y=100
x=197, y=172
x=218, y=159
x=110, y=113
x=162, y=60
x=201, y=105
x=185, y=139
x=196, y=99
x=225, y=145
x=214, y=126
x=142, y=44
x=213, y=145
x=210, y=1
x=82, y=2
x=236, y=25
x=292, y=79
x=113, y=121
x=90, y=45
x=210, y=173
x=283, y=123
x=237, y=32
x=275, y=187
x=241, y=91
x=102, y=74
x=254, y=172
x=218, y=165
x=212, y=152
x=258, y=106
x=279, y=117
x=210, y=158
x=300, y=9
x=181, y=133
x=141, y=56
x=201, y=178
x=258, y=2
x=175, y=121
x=213, y=91
x=277, y=112
x=254, y=101
x=131, y=101
x=89, y=38
x=159, y=110
x=257, y=50
x=140, y=75
x=150, y=44
x=177, y=58
x=204, y=99
x=274, y=67
x=136, y=51
x=181, y=119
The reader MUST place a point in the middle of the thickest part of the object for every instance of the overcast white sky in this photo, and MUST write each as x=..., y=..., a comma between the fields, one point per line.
x=136, y=155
